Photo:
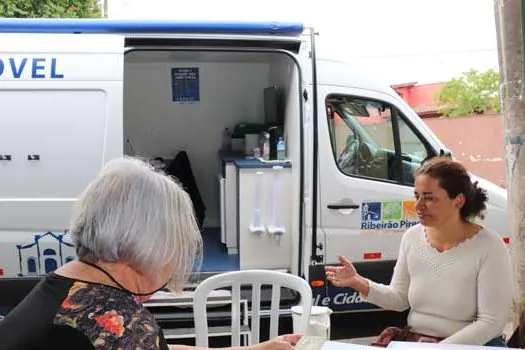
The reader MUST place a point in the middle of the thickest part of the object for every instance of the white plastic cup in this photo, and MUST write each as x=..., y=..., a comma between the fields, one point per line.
x=319, y=324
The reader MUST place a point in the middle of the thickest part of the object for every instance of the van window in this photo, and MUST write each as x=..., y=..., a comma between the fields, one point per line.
x=372, y=139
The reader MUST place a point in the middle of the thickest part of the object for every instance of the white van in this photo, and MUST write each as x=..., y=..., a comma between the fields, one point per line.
x=194, y=98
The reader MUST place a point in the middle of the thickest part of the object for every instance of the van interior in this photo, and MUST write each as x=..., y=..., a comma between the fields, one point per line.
x=191, y=112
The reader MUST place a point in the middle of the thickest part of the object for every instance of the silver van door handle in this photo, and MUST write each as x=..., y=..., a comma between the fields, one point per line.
x=342, y=206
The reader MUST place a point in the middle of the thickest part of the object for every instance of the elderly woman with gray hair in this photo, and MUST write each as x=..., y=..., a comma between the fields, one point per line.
x=134, y=233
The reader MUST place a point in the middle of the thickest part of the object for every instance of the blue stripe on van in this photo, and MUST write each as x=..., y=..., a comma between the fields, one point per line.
x=52, y=25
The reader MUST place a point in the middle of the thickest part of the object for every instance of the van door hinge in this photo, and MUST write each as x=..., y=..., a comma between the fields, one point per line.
x=305, y=95
x=318, y=258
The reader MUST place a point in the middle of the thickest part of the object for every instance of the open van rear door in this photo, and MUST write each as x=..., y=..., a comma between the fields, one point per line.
x=60, y=121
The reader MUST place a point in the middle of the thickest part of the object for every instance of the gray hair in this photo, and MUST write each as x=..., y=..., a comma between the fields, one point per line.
x=134, y=214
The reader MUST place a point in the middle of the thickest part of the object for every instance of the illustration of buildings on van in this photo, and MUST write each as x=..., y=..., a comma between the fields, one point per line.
x=45, y=253
x=371, y=211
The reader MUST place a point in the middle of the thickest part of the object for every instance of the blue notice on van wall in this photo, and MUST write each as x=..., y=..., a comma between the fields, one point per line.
x=185, y=87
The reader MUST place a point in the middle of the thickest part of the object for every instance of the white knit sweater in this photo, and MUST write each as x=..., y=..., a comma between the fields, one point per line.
x=463, y=294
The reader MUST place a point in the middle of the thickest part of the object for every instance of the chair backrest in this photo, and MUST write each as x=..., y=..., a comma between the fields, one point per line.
x=255, y=278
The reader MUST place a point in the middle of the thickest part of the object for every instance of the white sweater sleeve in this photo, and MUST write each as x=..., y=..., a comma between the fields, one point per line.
x=494, y=296
x=394, y=296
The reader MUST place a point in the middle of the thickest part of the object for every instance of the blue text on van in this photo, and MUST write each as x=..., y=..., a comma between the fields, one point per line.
x=41, y=68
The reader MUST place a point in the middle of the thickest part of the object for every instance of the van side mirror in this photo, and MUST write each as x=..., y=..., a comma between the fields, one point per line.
x=445, y=153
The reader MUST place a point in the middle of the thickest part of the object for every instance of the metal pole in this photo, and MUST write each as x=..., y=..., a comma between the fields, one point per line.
x=508, y=16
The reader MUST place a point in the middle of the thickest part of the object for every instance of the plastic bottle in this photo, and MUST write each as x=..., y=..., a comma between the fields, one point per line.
x=280, y=149
x=266, y=147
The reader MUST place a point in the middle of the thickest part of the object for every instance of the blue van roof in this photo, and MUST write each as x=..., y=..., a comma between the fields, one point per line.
x=53, y=25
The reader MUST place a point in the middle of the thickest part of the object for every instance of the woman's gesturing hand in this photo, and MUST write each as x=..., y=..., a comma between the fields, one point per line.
x=343, y=276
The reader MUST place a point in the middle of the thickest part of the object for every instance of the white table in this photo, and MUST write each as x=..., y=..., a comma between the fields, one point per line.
x=435, y=346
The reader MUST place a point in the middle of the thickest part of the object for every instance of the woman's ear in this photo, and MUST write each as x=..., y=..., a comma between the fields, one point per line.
x=459, y=201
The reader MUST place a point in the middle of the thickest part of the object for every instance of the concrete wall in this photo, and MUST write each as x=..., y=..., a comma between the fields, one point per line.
x=476, y=141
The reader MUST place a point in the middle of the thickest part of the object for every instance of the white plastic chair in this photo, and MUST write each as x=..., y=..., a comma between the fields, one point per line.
x=255, y=278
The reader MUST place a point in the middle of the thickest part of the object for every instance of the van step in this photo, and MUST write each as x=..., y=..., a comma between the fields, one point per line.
x=179, y=310
x=219, y=298
x=219, y=331
x=175, y=311
x=196, y=277
x=185, y=299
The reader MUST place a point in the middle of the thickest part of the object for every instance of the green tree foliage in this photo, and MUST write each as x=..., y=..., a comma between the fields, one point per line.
x=472, y=93
x=50, y=8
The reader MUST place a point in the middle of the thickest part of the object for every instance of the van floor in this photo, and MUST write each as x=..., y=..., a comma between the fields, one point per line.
x=215, y=255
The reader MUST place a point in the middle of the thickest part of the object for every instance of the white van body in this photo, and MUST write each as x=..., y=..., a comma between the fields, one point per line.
x=75, y=94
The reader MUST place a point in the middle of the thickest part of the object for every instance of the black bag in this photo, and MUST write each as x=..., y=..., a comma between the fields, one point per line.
x=517, y=339
x=397, y=334
x=180, y=168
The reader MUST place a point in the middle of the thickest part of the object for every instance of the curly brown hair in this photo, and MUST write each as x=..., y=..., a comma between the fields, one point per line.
x=454, y=179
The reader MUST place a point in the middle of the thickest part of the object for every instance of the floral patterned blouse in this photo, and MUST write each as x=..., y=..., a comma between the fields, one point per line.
x=62, y=313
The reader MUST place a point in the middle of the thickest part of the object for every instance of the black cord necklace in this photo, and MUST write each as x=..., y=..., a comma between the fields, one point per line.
x=118, y=284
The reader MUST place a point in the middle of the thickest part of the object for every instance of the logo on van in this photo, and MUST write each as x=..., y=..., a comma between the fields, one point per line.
x=388, y=215
x=371, y=211
x=409, y=210
x=392, y=211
